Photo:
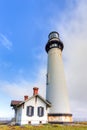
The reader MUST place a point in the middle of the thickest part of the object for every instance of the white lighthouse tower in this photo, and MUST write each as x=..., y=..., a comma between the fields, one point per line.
x=56, y=90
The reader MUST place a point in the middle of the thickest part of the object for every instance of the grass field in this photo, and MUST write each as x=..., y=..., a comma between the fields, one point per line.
x=45, y=127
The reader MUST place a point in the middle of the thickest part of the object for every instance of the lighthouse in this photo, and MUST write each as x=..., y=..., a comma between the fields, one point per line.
x=56, y=88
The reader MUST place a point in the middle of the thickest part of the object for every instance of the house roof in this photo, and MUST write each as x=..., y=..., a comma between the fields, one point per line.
x=16, y=103
x=45, y=101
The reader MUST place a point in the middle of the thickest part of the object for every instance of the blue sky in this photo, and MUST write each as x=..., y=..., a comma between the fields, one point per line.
x=24, y=29
x=22, y=24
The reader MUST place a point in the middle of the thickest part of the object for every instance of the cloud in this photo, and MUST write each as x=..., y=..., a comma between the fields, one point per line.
x=73, y=28
x=5, y=41
x=17, y=89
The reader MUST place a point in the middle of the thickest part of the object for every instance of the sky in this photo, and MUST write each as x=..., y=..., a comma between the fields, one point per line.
x=24, y=29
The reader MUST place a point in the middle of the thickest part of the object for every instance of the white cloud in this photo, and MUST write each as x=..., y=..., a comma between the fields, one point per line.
x=74, y=32
x=5, y=41
x=18, y=89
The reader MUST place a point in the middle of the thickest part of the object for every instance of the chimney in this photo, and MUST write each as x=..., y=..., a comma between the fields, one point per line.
x=35, y=91
x=25, y=97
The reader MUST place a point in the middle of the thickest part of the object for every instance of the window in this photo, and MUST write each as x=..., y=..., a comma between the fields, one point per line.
x=47, y=80
x=53, y=35
x=59, y=46
x=30, y=110
x=53, y=45
x=40, y=122
x=40, y=111
x=29, y=122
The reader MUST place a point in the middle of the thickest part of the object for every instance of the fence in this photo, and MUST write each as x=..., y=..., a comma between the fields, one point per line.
x=4, y=120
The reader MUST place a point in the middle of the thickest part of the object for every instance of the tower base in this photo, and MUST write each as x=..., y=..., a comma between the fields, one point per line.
x=59, y=118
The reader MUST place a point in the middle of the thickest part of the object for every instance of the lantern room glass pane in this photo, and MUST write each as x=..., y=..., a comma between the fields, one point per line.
x=53, y=35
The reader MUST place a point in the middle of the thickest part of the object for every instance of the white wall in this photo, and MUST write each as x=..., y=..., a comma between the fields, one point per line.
x=56, y=92
x=34, y=119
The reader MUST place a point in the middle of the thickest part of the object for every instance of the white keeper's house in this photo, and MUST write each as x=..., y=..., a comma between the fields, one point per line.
x=33, y=110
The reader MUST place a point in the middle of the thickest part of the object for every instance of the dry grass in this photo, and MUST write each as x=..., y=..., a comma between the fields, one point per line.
x=45, y=127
